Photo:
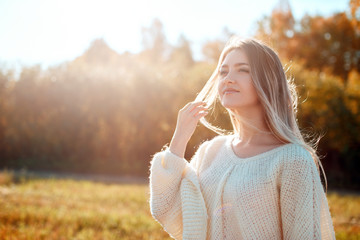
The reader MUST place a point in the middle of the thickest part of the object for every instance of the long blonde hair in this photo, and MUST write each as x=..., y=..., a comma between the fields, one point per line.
x=276, y=93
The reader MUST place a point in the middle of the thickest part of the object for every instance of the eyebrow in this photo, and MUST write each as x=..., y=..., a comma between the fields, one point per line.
x=236, y=64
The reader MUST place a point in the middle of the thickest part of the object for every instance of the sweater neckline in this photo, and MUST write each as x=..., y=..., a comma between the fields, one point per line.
x=230, y=149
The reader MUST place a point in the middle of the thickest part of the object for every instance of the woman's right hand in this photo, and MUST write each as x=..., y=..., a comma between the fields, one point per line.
x=187, y=120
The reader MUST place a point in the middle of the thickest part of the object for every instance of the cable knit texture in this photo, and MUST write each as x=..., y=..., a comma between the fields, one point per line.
x=274, y=195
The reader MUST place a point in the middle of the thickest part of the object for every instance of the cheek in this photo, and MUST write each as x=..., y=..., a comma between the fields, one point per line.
x=219, y=88
x=254, y=94
x=253, y=90
x=248, y=86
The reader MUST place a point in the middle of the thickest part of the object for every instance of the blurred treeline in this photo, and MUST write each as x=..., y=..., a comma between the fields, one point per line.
x=108, y=113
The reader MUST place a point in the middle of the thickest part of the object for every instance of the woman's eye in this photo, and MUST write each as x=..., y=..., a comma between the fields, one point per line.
x=222, y=73
x=243, y=70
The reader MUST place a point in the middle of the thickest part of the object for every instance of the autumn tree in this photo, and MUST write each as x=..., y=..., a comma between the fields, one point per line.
x=328, y=44
x=212, y=49
x=181, y=54
x=107, y=112
x=155, y=45
x=278, y=29
x=355, y=14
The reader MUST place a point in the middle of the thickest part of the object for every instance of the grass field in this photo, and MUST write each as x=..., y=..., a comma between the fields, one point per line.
x=79, y=209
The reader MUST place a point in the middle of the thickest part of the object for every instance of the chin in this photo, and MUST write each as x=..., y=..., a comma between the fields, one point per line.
x=229, y=105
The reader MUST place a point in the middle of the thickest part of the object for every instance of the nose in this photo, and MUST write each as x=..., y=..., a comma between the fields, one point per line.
x=228, y=79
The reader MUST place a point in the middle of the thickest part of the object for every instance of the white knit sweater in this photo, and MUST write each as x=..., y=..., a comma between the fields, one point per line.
x=274, y=195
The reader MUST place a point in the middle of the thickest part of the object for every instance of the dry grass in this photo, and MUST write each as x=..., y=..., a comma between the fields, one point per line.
x=6, y=177
x=345, y=212
x=69, y=209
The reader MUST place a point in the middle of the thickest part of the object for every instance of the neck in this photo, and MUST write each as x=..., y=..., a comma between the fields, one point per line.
x=253, y=128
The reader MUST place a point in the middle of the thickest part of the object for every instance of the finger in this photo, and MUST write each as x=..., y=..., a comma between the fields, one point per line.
x=198, y=109
x=195, y=104
x=189, y=104
x=186, y=106
x=201, y=114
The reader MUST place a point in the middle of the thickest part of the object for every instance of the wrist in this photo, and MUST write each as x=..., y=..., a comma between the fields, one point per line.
x=178, y=146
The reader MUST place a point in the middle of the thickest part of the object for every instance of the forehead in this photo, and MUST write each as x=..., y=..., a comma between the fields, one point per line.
x=235, y=56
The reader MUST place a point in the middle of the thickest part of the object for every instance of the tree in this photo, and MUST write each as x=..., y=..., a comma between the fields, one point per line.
x=329, y=44
x=154, y=41
x=181, y=55
x=355, y=15
x=278, y=29
x=213, y=48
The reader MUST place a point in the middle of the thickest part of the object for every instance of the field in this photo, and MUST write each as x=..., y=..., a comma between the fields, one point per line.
x=81, y=209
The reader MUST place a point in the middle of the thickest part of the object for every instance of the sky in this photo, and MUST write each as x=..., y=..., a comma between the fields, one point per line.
x=50, y=32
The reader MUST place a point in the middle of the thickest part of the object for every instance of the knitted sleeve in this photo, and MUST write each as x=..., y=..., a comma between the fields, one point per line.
x=304, y=208
x=176, y=201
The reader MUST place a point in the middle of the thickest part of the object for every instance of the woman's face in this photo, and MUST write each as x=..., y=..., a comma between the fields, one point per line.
x=235, y=85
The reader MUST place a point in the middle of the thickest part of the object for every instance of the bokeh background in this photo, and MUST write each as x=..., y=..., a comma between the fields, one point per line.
x=93, y=88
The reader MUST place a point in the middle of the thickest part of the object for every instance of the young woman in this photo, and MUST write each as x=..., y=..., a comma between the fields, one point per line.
x=260, y=182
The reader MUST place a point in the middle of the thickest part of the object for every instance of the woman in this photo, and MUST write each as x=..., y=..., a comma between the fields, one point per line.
x=262, y=181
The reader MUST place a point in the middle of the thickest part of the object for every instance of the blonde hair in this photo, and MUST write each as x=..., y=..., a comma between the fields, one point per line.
x=276, y=93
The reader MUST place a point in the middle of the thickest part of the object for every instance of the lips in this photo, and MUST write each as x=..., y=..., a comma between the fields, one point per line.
x=230, y=90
